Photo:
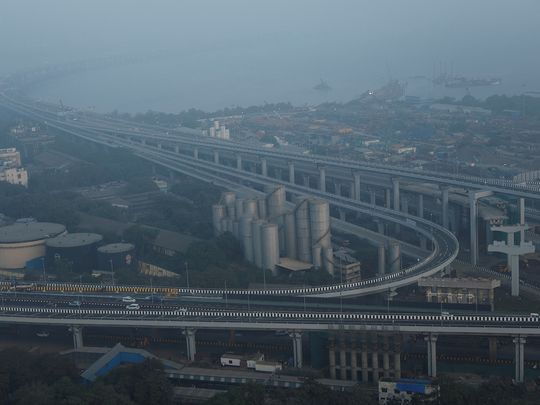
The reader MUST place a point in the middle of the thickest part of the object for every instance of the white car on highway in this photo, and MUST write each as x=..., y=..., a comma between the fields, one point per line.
x=133, y=306
x=128, y=299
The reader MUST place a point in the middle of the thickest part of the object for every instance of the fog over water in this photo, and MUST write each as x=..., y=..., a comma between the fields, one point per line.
x=243, y=52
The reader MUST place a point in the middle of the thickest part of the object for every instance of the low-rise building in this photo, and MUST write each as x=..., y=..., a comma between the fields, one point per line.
x=407, y=390
x=467, y=290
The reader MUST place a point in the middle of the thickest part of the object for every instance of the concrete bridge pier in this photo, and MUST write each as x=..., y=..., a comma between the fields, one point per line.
x=291, y=172
x=177, y=149
x=332, y=357
x=322, y=178
x=342, y=214
x=380, y=226
x=264, y=167
x=395, y=188
x=405, y=205
x=381, y=263
x=519, y=358
x=77, y=332
x=372, y=197
x=191, y=348
x=216, y=157
x=387, y=198
x=356, y=186
x=297, y=348
x=444, y=199
x=492, y=341
x=239, y=162
x=421, y=205
x=431, y=340
x=196, y=153
x=394, y=256
x=338, y=189
x=305, y=180
x=342, y=359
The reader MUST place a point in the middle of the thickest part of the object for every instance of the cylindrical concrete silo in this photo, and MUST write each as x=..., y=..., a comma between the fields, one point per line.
x=246, y=235
x=316, y=255
x=218, y=213
x=80, y=249
x=270, y=246
x=275, y=201
x=319, y=216
x=394, y=256
x=261, y=202
x=251, y=209
x=328, y=260
x=256, y=227
x=303, y=235
x=239, y=208
x=229, y=198
x=290, y=235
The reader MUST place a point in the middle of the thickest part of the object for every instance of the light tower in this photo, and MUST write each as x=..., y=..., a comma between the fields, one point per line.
x=512, y=250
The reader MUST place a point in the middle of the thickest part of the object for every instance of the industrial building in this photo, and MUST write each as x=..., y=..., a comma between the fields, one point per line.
x=407, y=390
x=79, y=249
x=116, y=256
x=270, y=231
x=476, y=291
x=22, y=245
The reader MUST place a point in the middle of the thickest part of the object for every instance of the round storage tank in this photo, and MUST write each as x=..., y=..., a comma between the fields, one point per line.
x=23, y=245
x=80, y=249
x=120, y=255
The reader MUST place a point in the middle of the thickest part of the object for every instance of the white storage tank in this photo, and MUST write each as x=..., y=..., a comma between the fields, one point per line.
x=23, y=245
x=270, y=246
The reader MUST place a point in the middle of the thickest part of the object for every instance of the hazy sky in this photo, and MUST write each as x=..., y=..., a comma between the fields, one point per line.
x=322, y=38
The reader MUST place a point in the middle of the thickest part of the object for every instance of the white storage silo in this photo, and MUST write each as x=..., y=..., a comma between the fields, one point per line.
x=270, y=246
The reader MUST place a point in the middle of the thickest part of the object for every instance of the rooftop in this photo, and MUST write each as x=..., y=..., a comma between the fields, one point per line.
x=29, y=232
x=116, y=248
x=74, y=239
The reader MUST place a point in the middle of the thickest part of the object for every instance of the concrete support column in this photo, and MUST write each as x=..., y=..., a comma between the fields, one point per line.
x=354, y=362
x=372, y=197
x=431, y=340
x=387, y=198
x=473, y=227
x=159, y=146
x=337, y=188
x=297, y=349
x=196, y=153
x=444, y=199
x=322, y=178
x=216, y=157
x=380, y=226
x=492, y=340
x=489, y=234
x=364, y=361
x=239, y=162
x=176, y=149
x=397, y=356
x=513, y=262
x=264, y=168
x=342, y=214
x=522, y=219
x=77, y=332
x=375, y=361
x=291, y=172
x=519, y=358
x=395, y=188
x=386, y=357
x=421, y=205
x=191, y=348
x=342, y=359
x=394, y=256
x=305, y=180
x=405, y=205
x=356, y=177
x=381, y=263
x=332, y=358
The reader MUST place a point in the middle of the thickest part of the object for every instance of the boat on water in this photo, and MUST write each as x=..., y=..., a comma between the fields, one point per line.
x=455, y=82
